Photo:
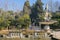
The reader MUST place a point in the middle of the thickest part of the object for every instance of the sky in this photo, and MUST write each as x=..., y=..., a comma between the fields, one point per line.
x=16, y=4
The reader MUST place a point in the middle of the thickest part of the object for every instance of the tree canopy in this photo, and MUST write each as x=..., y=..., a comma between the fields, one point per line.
x=37, y=10
x=28, y=16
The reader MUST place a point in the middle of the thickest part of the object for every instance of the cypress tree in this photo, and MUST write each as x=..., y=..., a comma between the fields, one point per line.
x=26, y=8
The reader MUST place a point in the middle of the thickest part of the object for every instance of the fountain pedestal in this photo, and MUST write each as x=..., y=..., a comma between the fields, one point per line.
x=47, y=20
x=47, y=27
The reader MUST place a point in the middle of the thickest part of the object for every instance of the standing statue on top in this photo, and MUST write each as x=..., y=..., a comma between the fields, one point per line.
x=47, y=14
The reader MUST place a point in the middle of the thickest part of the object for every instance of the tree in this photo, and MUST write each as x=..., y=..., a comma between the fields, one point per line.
x=37, y=10
x=4, y=22
x=24, y=21
x=57, y=3
x=26, y=8
x=54, y=6
x=56, y=16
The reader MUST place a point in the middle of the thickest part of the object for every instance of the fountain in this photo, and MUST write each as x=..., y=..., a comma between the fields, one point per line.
x=47, y=20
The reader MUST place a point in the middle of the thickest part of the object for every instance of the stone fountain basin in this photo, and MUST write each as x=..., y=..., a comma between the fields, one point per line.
x=48, y=22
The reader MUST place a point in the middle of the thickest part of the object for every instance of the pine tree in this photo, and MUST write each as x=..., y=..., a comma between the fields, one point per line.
x=37, y=10
x=26, y=8
x=39, y=6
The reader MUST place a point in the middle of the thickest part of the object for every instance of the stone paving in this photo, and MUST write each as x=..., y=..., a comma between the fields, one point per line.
x=56, y=34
